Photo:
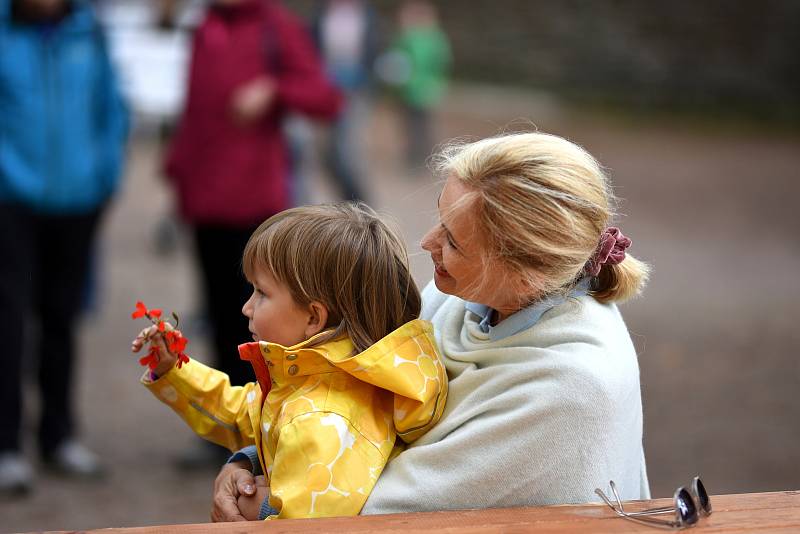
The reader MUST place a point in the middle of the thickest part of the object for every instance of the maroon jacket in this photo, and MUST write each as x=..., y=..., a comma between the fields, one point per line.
x=233, y=175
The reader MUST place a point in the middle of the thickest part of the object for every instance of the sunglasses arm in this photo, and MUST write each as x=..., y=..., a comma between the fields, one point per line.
x=654, y=511
x=669, y=525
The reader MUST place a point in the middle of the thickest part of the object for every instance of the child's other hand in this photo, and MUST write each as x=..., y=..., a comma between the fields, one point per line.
x=166, y=359
x=250, y=505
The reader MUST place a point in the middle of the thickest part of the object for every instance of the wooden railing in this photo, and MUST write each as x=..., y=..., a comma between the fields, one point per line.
x=749, y=512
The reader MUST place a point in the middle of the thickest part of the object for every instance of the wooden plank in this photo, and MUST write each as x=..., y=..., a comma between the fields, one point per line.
x=764, y=512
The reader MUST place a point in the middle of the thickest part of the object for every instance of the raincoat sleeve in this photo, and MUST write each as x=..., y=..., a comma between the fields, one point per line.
x=323, y=468
x=204, y=398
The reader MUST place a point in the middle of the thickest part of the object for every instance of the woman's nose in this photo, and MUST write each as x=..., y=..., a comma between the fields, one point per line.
x=429, y=240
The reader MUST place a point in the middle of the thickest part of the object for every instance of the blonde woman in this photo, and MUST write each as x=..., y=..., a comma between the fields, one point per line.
x=544, y=399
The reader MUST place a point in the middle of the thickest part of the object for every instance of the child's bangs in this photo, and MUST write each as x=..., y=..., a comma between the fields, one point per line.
x=276, y=247
x=259, y=252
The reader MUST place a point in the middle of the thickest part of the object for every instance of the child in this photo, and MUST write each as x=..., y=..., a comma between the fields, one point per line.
x=343, y=366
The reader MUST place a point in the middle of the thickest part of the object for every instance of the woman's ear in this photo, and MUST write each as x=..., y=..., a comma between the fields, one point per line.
x=317, y=318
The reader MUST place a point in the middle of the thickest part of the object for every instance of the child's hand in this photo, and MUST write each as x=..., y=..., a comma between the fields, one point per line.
x=250, y=505
x=151, y=334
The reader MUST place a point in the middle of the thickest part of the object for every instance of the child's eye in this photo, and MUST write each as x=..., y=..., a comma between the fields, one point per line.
x=258, y=292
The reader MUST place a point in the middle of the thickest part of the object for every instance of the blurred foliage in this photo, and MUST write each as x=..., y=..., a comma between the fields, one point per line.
x=718, y=57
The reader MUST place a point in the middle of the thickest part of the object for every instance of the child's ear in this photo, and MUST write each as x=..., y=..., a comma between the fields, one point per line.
x=317, y=318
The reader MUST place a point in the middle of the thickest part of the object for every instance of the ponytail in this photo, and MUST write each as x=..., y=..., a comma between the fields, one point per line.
x=620, y=282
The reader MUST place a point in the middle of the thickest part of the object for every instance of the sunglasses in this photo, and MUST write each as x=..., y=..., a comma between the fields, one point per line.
x=691, y=502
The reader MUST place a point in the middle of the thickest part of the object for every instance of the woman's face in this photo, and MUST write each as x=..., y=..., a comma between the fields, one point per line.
x=459, y=252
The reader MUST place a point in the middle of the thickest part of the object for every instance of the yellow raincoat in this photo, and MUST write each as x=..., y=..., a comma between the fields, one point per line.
x=329, y=421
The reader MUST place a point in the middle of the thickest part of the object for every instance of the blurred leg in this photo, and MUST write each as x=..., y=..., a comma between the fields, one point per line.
x=219, y=250
x=420, y=143
x=343, y=156
x=299, y=140
x=16, y=294
x=64, y=245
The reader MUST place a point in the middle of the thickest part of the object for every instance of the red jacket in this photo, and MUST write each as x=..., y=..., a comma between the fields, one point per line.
x=226, y=173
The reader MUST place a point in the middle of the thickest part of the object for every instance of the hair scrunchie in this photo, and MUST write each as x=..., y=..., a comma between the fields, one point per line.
x=610, y=250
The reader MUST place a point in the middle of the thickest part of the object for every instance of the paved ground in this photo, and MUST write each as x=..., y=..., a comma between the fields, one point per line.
x=712, y=207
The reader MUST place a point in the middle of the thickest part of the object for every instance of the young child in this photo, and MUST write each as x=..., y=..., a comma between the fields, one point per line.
x=343, y=365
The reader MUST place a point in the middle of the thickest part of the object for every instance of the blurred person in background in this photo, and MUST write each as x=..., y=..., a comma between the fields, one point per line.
x=346, y=34
x=418, y=65
x=252, y=63
x=63, y=127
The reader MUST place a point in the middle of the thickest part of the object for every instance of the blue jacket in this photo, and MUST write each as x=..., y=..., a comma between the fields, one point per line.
x=63, y=123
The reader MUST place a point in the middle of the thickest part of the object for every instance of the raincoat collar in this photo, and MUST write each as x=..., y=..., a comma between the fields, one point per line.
x=273, y=362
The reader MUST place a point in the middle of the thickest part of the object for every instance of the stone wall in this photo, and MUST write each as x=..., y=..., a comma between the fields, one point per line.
x=711, y=55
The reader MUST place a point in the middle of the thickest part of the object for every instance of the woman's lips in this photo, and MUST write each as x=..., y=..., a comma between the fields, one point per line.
x=441, y=271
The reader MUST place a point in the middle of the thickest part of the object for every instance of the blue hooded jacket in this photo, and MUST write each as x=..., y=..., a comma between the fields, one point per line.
x=63, y=124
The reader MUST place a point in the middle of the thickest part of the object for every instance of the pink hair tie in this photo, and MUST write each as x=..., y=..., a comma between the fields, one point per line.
x=610, y=250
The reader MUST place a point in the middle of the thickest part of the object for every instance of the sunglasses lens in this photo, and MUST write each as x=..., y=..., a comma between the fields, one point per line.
x=702, y=496
x=685, y=507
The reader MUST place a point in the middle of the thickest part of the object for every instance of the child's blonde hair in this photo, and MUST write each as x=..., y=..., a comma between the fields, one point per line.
x=347, y=258
x=543, y=203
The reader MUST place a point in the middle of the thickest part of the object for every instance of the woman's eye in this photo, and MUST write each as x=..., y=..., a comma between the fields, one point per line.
x=449, y=238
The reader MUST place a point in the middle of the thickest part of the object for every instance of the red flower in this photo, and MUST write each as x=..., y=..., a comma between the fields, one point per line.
x=141, y=310
x=152, y=358
x=175, y=341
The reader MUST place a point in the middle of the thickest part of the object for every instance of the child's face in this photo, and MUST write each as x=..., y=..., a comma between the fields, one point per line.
x=274, y=315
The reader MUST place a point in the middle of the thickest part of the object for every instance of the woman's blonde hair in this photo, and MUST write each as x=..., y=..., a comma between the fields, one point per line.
x=347, y=258
x=543, y=204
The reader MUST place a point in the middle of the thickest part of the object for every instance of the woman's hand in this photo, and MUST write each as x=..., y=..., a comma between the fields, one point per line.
x=234, y=480
x=250, y=505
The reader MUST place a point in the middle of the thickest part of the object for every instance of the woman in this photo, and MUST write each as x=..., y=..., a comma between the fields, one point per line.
x=544, y=402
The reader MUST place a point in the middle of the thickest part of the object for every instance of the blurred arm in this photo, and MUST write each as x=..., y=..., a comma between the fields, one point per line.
x=112, y=119
x=301, y=84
